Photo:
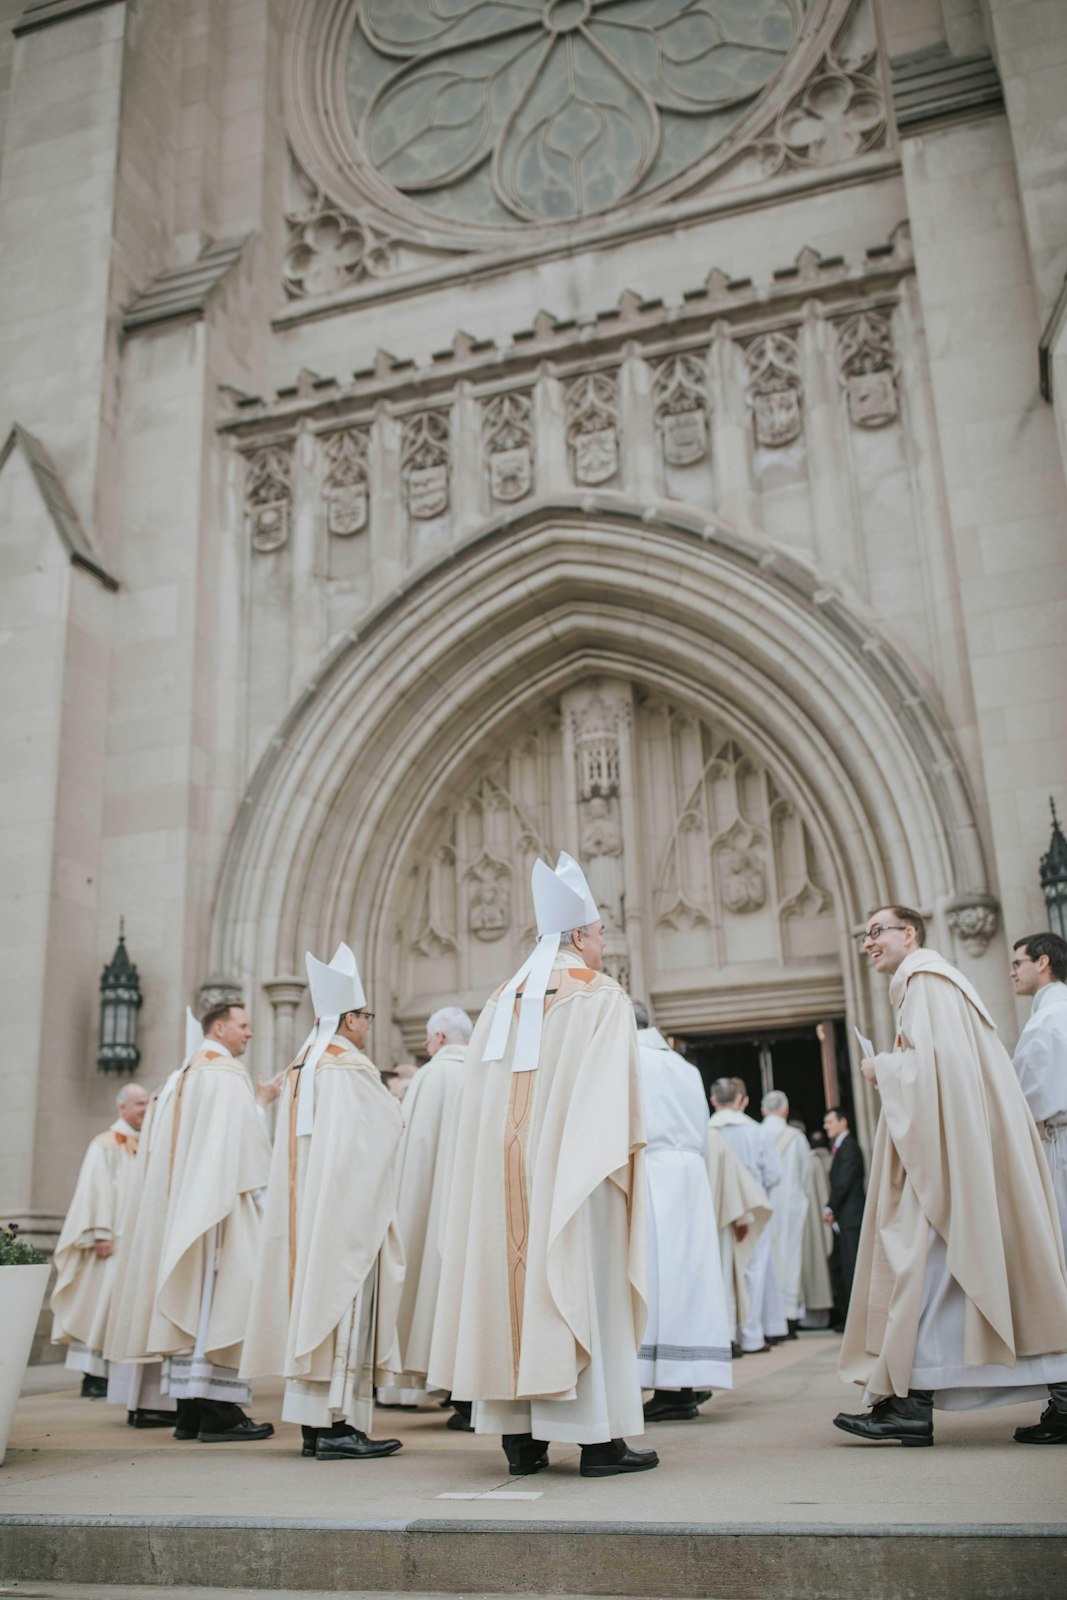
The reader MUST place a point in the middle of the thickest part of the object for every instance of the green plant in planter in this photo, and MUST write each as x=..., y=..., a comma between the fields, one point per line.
x=14, y=1252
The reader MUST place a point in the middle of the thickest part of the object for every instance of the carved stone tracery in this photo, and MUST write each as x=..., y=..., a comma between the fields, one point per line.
x=774, y=389
x=268, y=494
x=680, y=401
x=507, y=424
x=347, y=487
x=424, y=457
x=592, y=415
x=868, y=368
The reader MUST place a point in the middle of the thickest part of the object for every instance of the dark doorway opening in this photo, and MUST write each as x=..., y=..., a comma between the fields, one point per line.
x=808, y=1063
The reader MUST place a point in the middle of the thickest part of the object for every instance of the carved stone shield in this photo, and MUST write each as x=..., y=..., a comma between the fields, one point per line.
x=510, y=474
x=596, y=455
x=777, y=417
x=427, y=491
x=872, y=399
x=685, y=437
x=346, y=509
x=269, y=525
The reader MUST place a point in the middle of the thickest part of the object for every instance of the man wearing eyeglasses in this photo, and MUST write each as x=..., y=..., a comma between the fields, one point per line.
x=960, y=1293
x=1039, y=969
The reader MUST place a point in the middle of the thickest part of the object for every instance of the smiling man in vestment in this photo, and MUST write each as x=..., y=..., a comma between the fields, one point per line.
x=542, y=1301
x=960, y=1294
x=323, y=1307
x=85, y=1252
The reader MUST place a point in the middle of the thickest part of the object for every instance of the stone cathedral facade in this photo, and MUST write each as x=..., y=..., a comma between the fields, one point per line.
x=438, y=434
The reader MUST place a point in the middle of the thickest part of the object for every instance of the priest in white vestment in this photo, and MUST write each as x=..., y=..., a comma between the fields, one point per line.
x=960, y=1294
x=195, y=1239
x=324, y=1302
x=685, y=1350
x=429, y=1108
x=1039, y=970
x=793, y=1203
x=136, y=1385
x=765, y=1319
x=85, y=1254
x=816, y=1286
x=542, y=1299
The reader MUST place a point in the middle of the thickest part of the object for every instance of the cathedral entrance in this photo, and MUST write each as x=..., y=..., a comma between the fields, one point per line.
x=809, y=1064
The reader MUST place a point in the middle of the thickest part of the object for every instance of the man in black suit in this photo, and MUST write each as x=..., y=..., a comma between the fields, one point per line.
x=845, y=1209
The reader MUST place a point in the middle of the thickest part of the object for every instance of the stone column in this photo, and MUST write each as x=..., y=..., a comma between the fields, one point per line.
x=388, y=514
x=835, y=517
x=285, y=994
x=550, y=434
x=639, y=442
x=309, y=631
x=466, y=471
x=731, y=433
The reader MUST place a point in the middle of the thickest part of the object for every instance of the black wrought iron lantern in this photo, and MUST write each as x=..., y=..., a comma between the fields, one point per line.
x=1054, y=877
x=120, y=1001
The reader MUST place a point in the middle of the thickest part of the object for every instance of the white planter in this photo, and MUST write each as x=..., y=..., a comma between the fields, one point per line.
x=21, y=1298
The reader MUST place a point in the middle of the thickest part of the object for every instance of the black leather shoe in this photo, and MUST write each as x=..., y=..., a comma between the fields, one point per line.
x=93, y=1388
x=903, y=1420
x=150, y=1419
x=308, y=1438
x=665, y=1413
x=525, y=1453
x=354, y=1446
x=611, y=1459
x=698, y=1396
x=238, y=1432
x=793, y=1324
x=187, y=1420
x=460, y=1420
x=736, y=1351
x=1052, y=1429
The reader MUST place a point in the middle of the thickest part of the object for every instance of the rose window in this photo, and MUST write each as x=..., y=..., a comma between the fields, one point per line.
x=502, y=112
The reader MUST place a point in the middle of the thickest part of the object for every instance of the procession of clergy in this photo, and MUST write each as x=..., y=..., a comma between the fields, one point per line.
x=551, y=1223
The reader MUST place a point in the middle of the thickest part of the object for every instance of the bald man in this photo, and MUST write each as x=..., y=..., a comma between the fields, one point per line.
x=85, y=1253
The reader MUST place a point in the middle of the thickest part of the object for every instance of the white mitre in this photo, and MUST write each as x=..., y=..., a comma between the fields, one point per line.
x=194, y=1036
x=335, y=990
x=561, y=901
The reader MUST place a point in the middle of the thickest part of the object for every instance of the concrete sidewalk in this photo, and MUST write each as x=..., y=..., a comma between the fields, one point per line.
x=761, y=1464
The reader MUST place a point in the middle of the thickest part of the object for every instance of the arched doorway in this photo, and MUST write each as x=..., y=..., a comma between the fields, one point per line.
x=777, y=767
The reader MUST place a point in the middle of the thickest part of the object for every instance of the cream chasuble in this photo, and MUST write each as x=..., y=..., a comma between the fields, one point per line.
x=81, y=1299
x=330, y=1266
x=755, y=1147
x=542, y=1298
x=425, y=1165
x=1040, y=1062
x=686, y=1342
x=816, y=1290
x=737, y=1198
x=790, y=1211
x=187, y=1285
x=960, y=1283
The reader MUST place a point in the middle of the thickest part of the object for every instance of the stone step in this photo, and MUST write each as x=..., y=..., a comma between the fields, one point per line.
x=453, y=1557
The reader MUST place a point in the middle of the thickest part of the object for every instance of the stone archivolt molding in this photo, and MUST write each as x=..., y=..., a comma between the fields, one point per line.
x=382, y=201
x=549, y=596
x=444, y=442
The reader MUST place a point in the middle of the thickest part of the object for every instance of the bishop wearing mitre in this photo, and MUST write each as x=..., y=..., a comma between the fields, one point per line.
x=542, y=1301
x=196, y=1238
x=324, y=1304
x=85, y=1252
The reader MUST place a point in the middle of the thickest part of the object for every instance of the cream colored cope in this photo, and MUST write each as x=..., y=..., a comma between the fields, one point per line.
x=81, y=1299
x=960, y=1284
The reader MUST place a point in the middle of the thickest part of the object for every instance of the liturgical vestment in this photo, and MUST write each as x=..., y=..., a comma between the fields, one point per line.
x=960, y=1283
x=542, y=1300
x=195, y=1239
x=425, y=1166
x=738, y=1200
x=766, y=1314
x=323, y=1307
x=82, y=1295
x=1040, y=1061
x=686, y=1342
x=791, y=1200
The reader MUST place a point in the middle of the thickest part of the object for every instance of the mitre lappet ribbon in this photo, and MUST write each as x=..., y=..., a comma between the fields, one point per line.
x=335, y=990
